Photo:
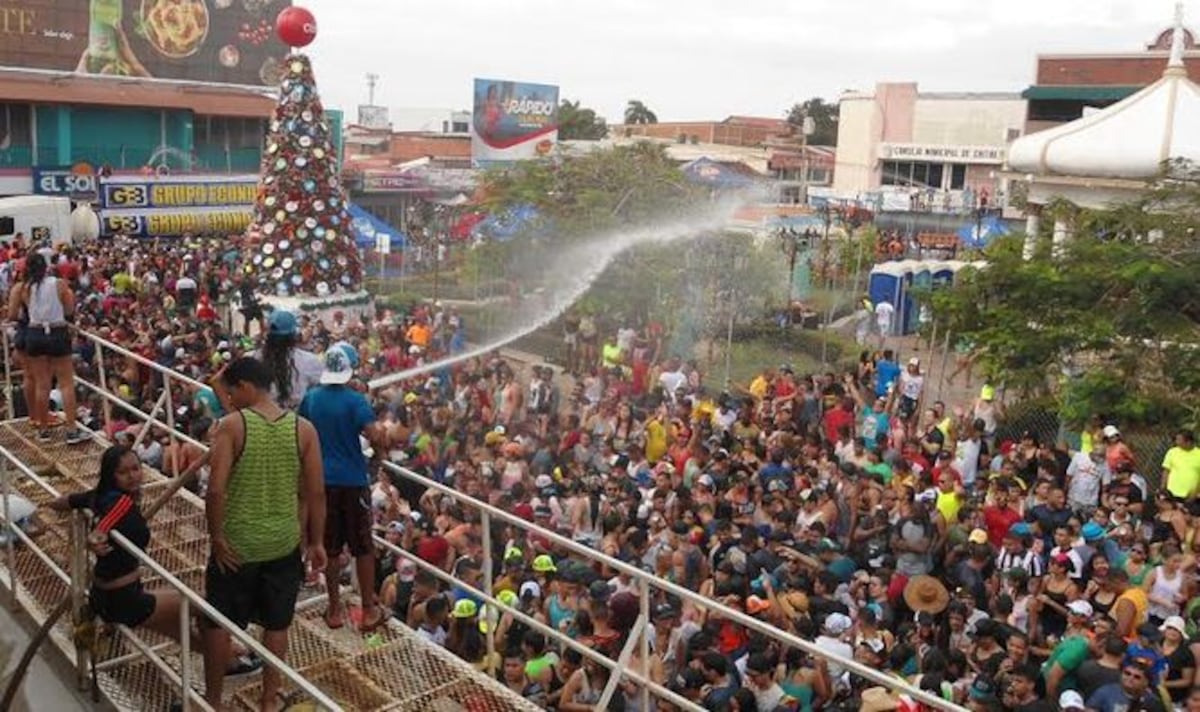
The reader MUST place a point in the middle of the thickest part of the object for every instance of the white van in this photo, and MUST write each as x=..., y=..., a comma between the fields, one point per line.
x=37, y=217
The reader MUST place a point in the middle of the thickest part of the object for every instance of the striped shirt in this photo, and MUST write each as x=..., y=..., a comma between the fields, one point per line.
x=262, y=515
x=1027, y=560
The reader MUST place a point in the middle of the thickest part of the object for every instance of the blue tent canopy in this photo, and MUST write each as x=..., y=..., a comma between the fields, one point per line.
x=366, y=228
x=708, y=172
x=980, y=235
x=505, y=225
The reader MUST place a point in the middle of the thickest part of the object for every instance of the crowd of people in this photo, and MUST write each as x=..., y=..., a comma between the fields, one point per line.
x=850, y=509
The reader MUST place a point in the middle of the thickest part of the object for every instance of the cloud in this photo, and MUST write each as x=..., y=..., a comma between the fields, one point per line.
x=705, y=59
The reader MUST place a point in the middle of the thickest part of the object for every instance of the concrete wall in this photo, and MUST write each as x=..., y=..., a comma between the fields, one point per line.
x=966, y=122
x=859, y=126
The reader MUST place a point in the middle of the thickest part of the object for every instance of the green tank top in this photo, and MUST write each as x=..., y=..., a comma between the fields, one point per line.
x=262, y=511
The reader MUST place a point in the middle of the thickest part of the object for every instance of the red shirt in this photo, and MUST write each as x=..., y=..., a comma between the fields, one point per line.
x=433, y=550
x=998, y=522
x=835, y=420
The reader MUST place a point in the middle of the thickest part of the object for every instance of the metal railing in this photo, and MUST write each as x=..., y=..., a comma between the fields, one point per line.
x=76, y=578
x=647, y=585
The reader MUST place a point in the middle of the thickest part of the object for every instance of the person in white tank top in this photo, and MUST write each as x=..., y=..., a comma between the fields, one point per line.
x=1164, y=584
x=49, y=303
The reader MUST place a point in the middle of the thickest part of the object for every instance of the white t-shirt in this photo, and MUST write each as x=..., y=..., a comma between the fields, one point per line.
x=910, y=385
x=883, y=316
x=672, y=381
x=307, y=368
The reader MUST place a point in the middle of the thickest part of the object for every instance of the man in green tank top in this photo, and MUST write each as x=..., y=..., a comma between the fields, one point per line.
x=266, y=501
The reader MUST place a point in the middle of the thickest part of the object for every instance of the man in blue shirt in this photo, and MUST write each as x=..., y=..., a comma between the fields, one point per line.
x=887, y=371
x=341, y=415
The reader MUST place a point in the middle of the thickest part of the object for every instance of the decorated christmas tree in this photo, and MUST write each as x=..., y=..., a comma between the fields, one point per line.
x=299, y=244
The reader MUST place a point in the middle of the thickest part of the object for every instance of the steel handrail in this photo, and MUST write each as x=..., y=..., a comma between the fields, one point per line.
x=678, y=591
x=147, y=417
x=557, y=635
x=147, y=561
x=166, y=371
x=641, y=576
x=214, y=615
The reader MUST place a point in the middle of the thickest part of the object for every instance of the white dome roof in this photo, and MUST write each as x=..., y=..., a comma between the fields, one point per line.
x=1130, y=139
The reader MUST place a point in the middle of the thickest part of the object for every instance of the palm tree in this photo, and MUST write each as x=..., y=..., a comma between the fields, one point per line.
x=637, y=112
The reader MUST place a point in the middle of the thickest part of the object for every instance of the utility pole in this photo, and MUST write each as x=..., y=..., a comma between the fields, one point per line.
x=372, y=80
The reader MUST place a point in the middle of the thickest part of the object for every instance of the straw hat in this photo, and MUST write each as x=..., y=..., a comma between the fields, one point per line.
x=926, y=593
x=877, y=699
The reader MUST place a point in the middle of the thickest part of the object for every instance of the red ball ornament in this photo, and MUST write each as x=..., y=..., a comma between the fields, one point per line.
x=296, y=26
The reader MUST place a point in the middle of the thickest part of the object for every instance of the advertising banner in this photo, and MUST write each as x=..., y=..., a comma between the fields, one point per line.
x=76, y=182
x=221, y=41
x=513, y=121
x=171, y=206
x=139, y=192
x=230, y=220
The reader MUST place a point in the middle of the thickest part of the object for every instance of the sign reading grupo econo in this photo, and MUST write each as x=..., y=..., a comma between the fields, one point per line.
x=167, y=206
x=513, y=121
x=222, y=41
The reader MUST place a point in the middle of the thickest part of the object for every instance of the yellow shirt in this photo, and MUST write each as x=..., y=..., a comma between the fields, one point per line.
x=1183, y=468
x=1141, y=606
x=611, y=353
x=948, y=504
x=656, y=441
x=758, y=387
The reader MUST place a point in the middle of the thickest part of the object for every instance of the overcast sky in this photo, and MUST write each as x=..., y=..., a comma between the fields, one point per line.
x=707, y=59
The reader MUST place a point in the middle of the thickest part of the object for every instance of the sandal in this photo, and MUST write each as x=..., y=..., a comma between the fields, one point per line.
x=380, y=620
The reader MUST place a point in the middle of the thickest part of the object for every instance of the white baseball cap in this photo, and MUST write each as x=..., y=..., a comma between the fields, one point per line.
x=1070, y=700
x=1080, y=608
x=1110, y=431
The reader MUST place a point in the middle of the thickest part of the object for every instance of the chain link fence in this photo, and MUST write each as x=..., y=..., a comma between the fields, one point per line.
x=1149, y=443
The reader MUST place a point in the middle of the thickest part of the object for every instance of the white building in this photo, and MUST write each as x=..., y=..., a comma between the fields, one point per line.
x=940, y=152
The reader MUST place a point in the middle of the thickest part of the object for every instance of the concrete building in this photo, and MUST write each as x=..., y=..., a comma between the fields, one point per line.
x=1067, y=85
x=901, y=149
x=748, y=131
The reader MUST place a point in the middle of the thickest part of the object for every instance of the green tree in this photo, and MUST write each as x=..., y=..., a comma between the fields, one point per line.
x=1108, y=324
x=579, y=123
x=636, y=112
x=825, y=120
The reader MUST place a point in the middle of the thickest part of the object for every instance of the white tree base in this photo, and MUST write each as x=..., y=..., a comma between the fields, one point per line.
x=352, y=305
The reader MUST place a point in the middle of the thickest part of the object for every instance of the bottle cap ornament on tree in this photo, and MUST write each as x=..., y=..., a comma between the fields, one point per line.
x=296, y=26
x=299, y=243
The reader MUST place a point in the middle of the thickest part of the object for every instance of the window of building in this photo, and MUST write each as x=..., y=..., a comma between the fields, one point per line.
x=914, y=174
x=15, y=125
x=958, y=176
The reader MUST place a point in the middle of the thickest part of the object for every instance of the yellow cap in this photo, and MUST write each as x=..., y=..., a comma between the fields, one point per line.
x=987, y=392
x=464, y=608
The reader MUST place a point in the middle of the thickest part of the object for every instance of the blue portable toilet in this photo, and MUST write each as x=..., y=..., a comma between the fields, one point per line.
x=922, y=280
x=943, y=274
x=886, y=284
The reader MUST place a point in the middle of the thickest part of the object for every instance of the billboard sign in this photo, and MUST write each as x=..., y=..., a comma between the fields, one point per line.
x=140, y=192
x=76, y=182
x=218, y=41
x=169, y=206
x=230, y=220
x=513, y=121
